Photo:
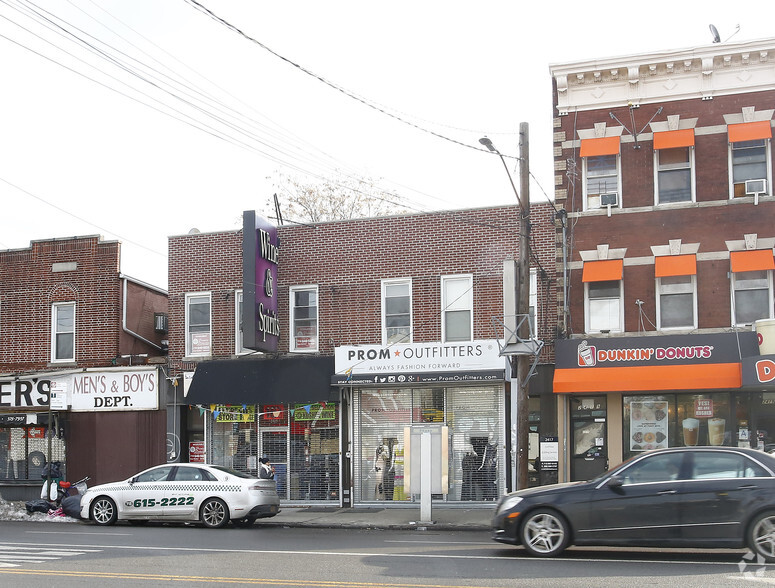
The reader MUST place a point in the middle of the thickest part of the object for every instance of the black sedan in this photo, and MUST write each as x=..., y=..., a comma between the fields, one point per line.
x=701, y=497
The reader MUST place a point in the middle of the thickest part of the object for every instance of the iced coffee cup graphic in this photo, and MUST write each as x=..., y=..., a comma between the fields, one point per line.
x=586, y=354
x=691, y=429
x=716, y=429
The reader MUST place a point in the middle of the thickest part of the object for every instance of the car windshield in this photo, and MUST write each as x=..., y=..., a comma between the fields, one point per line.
x=612, y=470
x=232, y=472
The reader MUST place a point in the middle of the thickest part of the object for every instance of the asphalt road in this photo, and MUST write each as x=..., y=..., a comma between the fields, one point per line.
x=39, y=554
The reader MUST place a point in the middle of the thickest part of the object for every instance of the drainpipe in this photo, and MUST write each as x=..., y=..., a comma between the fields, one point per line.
x=126, y=330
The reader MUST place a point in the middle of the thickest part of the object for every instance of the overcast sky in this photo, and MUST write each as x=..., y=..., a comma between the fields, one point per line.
x=141, y=119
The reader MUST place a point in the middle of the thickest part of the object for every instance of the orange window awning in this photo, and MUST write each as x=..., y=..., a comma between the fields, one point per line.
x=671, y=139
x=601, y=146
x=751, y=261
x=675, y=265
x=750, y=131
x=603, y=271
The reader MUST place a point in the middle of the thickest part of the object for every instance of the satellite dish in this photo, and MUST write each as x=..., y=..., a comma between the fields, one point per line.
x=714, y=32
x=194, y=231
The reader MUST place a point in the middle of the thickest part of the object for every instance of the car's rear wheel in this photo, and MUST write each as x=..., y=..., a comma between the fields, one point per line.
x=103, y=511
x=544, y=533
x=214, y=513
x=761, y=535
x=244, y=523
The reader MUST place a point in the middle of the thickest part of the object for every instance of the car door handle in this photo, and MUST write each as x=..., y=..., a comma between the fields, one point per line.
x=666, y=492
x=748, y=487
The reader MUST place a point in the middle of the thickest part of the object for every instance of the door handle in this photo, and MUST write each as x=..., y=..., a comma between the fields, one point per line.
x=748, y=487
x=666, y=492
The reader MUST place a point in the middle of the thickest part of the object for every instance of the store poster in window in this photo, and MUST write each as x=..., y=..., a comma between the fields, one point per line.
x=648, y=425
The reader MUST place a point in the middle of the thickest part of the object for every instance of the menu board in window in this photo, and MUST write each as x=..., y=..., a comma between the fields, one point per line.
x=648, y=425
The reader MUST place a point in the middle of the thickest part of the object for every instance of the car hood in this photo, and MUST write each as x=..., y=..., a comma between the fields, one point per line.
x=549, y=489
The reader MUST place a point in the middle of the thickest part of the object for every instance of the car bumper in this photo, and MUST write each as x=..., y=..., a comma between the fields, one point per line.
x=263, y=511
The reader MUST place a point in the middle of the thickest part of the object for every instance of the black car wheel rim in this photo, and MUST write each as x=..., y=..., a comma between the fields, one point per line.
x=764, y=536
x=544, y=533
x=213, y=513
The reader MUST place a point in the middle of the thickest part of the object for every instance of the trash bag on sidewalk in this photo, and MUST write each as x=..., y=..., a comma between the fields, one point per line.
x=71, y=505
x=38, y=505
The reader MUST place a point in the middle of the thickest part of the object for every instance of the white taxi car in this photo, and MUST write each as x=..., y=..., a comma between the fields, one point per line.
x=211, y=494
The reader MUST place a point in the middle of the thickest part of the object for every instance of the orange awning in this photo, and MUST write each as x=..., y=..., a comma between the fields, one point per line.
x=749, y=131
x=602, y=146
x=639, y=378
x=670, y=139
x=675, y=265
x=751, y=261
x=603, y=271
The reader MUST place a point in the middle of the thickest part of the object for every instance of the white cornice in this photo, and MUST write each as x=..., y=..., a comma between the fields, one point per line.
x=700, y=72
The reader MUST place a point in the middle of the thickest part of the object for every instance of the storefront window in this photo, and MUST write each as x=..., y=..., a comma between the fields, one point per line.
x=679, y=420
x=301, y=441
x=24, y=451
x=473, y=417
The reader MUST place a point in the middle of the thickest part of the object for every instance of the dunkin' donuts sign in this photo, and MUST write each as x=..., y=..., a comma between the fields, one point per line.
x=590, y=355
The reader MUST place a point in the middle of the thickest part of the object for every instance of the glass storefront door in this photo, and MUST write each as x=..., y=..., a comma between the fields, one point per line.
x=588, y=437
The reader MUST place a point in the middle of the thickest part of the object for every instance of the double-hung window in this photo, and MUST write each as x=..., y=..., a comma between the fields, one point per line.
x=603, y=296
x=600, y=159
x=457, y=308
x=674, y=166
x=749, y=159
x=304, y=318
x=63, y=331
x=238, y=334
x=396, y=311
x=752, y=297
x=198, y=325
x=676, y=291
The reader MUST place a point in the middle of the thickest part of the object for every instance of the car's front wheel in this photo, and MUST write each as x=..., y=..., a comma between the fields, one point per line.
x=761, y=536
x=544, y=533
x=214, y=513
x=103, y=511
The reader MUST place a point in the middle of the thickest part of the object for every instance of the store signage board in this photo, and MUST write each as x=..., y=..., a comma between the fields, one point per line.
x=260, y=259
x=113, y=391
x=413, y=358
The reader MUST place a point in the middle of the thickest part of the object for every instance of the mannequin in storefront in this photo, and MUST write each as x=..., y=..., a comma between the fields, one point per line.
x=468, y=464
x=484, y=473
x=380, y=466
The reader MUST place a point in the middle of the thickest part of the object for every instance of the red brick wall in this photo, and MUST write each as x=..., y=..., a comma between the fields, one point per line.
x=28, y=288
x=347, y=261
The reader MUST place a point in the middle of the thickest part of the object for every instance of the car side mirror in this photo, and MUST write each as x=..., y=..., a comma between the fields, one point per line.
x=132, y=480
x=615, y=481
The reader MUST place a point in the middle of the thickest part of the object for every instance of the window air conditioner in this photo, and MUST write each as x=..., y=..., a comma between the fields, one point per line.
x=609, y=199
x=755, y=187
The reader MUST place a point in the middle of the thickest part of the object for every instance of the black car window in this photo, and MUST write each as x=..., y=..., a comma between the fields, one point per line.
x=186, y=474
x=716, y=465
x=653, y=468
x=154, y=475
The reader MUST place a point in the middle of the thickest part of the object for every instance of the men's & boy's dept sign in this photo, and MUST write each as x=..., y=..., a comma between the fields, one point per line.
x=419, y=363
x=84, y=391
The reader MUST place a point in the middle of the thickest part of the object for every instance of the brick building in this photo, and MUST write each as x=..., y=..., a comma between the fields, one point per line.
x=77, y=348
x=328, y=409
x=664, y=165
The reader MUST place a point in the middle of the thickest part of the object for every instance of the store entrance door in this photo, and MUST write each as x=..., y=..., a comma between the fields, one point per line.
x=274, y=446
x=588, y=437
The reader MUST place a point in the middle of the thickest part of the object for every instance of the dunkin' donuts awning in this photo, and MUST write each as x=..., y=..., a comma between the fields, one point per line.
x=639, y=364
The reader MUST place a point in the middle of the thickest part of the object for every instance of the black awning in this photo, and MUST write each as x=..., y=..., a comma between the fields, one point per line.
x=262, y=381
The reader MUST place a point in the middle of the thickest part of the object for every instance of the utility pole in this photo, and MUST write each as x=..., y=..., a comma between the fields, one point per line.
x=523, y=306
x=521, y=361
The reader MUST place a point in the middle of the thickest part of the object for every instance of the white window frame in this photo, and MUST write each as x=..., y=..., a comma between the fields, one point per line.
x=663, y=289
x=239, y=336
x=292, y=318
x=587, y=315
x=533, y=309
x=618, y=188
x=395, y=282
x=768, y=161
x=54, y=332
x=446, y=305
x=657, y=169
x=733, y=290
x=189, y=297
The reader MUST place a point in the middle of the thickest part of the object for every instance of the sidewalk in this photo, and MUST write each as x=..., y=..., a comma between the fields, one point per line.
x=405, y=517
